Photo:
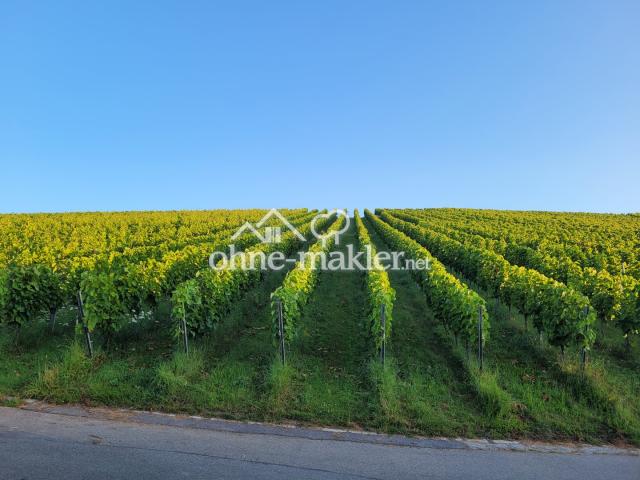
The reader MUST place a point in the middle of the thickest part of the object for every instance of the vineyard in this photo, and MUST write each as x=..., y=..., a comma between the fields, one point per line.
x=524, y=324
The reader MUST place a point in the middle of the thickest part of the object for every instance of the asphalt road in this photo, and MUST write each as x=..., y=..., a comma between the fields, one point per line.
x=37, y=445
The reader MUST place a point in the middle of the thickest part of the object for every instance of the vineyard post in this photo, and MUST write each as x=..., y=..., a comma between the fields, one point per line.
x=281, y=330
x=52, y=319
x=480, y=339
x=383, y=324
x=85, y=327
x=583, y=353
x=184, y=331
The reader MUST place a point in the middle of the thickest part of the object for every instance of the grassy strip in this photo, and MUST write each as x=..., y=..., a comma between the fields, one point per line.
x=332, y=348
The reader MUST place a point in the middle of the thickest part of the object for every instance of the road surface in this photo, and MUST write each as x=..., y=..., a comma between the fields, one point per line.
x=80, y=445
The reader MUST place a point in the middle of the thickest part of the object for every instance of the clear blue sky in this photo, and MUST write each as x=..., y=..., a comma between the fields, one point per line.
x=126, y=105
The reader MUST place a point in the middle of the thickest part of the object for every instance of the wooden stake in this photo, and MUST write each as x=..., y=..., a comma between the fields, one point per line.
x=283, y=356
x=85, y=327
x=52, y=319
x=383, y=323
x=184, y=331
x=480, y=339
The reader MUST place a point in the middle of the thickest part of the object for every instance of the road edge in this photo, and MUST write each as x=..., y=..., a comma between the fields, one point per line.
x=318, y=433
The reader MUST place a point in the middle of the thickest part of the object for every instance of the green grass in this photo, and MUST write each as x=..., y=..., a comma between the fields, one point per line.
x=37, y=347
x=601, y=402
x=281, y=387
x=389, y=390
x=333, y=376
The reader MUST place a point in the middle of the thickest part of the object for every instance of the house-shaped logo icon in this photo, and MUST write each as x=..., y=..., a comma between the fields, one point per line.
x=272, y=234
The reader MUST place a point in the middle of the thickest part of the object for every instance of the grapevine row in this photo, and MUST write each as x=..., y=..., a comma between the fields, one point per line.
x=602, y=242
x=557, y=310
x=614, y=298
x=380, y=293
x=453, y=303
